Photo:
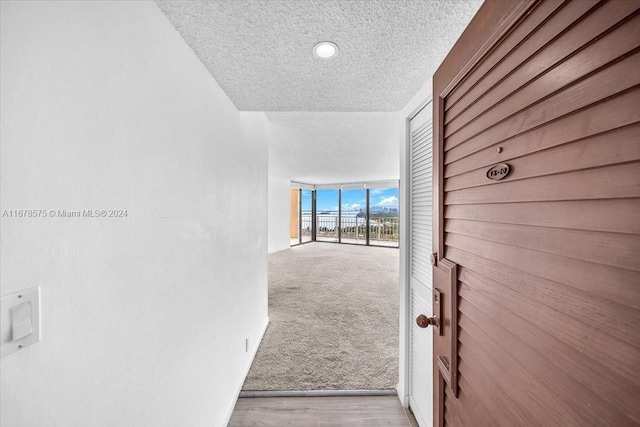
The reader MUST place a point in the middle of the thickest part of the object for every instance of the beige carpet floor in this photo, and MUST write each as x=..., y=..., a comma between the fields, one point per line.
x=334, y=320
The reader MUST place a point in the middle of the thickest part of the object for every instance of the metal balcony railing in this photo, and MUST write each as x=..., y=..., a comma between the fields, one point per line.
x=382, y=230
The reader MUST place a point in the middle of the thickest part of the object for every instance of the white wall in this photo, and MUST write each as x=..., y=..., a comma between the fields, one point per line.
x=420, y=98
x=145, y=317
x=279, y=204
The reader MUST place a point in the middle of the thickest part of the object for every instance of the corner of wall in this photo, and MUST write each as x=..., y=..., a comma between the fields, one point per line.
x=279, y=215
x=247, y=368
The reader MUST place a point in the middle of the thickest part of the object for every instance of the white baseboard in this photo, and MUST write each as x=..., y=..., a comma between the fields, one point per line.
x=404, y=398
x=254, y=350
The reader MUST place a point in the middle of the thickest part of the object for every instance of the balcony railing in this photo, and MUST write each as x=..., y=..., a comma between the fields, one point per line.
x=306, y=227
x=382, y=230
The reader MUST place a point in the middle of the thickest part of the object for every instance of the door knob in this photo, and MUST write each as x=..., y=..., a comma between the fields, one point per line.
x=424, y=321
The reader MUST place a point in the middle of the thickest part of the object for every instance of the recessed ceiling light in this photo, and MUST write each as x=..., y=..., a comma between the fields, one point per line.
x=325, y=50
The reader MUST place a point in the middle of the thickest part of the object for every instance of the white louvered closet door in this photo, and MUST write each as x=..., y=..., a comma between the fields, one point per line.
x=421, y=217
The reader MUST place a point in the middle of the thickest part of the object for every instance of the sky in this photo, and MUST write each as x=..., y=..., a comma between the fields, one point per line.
x=352, y=200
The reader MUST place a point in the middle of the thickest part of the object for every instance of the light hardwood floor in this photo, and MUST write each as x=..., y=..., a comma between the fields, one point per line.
x=321, y=411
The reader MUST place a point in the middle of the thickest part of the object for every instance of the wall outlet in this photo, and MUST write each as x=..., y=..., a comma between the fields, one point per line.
x=246, y=345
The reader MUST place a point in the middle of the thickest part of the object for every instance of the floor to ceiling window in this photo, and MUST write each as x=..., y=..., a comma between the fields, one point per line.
x=346, y=213
x=353, y=216
x=383, y=216
x=327, y=215
x=306, y=223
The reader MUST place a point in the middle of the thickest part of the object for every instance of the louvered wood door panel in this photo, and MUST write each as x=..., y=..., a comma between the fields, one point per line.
x=548, y=258
x=420, y=194
x=421, y=395
x=421, y=220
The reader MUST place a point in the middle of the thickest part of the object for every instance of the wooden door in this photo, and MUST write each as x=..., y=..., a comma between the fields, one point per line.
x=537, y=207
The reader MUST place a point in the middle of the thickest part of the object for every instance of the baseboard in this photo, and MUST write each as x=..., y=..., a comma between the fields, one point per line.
x=404, y=398
x=273, y=251
x=254, y=350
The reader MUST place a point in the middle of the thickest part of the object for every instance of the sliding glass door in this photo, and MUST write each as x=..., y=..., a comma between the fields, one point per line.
x=306, y=223
x=327, y=214
x=383, y=217
x=353, y=216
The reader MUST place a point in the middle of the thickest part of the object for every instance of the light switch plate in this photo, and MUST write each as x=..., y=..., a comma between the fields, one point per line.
x=20, y=316
x=19, y=320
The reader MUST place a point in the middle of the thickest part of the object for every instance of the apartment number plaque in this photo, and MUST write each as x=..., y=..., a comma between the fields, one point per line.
x=499, y=171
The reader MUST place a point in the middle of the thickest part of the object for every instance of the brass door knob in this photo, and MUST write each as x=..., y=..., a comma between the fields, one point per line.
x=424, y=321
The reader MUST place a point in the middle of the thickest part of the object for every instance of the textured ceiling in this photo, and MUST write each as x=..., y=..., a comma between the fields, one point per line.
x=335, y=147
x=260, y=51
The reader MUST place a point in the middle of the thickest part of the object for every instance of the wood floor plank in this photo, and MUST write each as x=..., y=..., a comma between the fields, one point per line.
x=321, y=411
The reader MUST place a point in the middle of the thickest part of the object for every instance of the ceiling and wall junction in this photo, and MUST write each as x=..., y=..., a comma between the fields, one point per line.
x=333, y=119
